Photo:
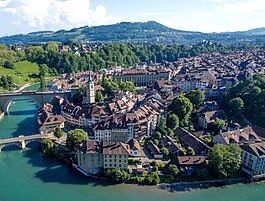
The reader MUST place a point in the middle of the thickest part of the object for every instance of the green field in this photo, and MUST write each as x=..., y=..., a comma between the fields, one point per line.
x=21, y=72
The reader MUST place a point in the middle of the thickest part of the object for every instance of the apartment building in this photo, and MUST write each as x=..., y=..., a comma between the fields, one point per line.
x=253, y=158
x=93, y=156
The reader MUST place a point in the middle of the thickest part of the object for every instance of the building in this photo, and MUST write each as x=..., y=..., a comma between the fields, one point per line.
x=90, y=91
x=189, y=164
x=207, y=118
x=47, y=120
x=114, y=129
x=155, y=151
x=141, y=77
x=253, y=158
x=189, y=140
x=135, y=148
x=240, y=136
x=171, y=145
x=93, y=156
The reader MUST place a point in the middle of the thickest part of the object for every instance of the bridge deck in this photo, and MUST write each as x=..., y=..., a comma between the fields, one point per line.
x=21, y=138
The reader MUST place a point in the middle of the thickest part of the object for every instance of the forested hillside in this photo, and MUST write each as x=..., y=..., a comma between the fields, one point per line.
x=136, y=33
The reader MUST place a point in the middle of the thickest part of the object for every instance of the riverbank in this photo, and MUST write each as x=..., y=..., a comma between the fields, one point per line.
x=198, y=185
x=23, y=87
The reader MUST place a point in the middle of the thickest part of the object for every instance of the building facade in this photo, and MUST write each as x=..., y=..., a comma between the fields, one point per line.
x=253, y=158
x=93, y=156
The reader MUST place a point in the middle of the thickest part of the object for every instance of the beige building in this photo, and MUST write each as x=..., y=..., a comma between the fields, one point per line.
x=253, y=158
x=93, y=156
x=141, y=77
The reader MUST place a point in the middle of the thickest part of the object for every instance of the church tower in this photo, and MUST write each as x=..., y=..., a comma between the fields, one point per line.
x=90, y=91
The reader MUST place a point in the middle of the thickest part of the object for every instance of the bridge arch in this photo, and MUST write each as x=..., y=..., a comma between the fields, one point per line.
x=8, y=102
x=17, y=144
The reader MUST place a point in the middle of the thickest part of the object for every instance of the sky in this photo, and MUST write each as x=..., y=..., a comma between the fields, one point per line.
x=24, y=16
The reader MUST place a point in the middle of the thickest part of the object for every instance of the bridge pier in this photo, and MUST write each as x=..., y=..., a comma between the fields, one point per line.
x=1, y=147
x=23, y=144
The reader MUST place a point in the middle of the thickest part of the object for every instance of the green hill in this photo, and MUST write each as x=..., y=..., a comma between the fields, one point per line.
x=137, y=32
x=21, y=73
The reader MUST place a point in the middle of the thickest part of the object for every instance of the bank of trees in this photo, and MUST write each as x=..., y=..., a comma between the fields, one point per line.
x=247, y=99
x=225, y=161
x=7, y=82
x=108, y=55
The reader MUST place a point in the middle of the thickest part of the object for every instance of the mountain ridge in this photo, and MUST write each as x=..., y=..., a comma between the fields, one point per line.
x=133, y=32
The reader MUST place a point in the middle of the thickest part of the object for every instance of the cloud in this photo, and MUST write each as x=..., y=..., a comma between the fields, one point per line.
x=54, y=14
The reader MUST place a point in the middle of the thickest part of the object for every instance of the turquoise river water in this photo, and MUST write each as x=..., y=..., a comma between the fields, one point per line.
x=28, y=175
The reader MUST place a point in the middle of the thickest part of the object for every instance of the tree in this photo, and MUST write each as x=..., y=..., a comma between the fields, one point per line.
x=9, y=64
x=164, y=151
x=196, y=97
x=172, y=121
x=99, y=97
x=58, y=132
x=127, y=86
x=182, y=107
x=225, y=161
x=152, y=178
x=42, y=83
x=163, y=122
x=47, y=146
x=118, y=175
x=43, y=69
x=75, y=137
x=190, y=152
x=236, y=106
x=173, y=170
x=157, y=135
x=219, y=125
x=110, y=87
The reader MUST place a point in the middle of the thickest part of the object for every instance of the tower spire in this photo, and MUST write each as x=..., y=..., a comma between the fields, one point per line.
x=90, y=90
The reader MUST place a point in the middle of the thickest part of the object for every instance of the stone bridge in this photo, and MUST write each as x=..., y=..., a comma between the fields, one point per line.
x=39, y=97
x=21, y=141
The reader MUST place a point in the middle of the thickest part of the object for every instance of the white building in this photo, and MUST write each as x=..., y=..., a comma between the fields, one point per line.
x=253, y=158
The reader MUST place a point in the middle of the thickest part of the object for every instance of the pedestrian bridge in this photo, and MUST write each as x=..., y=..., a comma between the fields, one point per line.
x=39, y=97
x=21, y=141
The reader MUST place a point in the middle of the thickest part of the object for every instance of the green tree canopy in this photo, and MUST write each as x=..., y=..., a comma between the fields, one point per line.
x=58, y=132
x=219, y=125
x=127, y=86
x=157, y=135
x=75, y=137
x=196, y=97
x=225, y=161
x=236, y=106
x=99, y=97
x=47, y=146
x=152, y=178
x=164, y=151
x=172, y=121
x=182, y=107
x=117, y=175
x=190, y=152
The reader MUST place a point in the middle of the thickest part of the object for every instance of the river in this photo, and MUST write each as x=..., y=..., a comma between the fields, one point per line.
x=28, y=175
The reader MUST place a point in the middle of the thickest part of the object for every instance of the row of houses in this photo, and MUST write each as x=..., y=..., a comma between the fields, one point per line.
x=119, y=120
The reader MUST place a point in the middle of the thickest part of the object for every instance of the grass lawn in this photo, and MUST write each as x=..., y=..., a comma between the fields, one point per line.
x=21, y=72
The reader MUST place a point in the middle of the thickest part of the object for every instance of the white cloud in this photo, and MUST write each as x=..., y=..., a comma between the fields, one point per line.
x=54, y=14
